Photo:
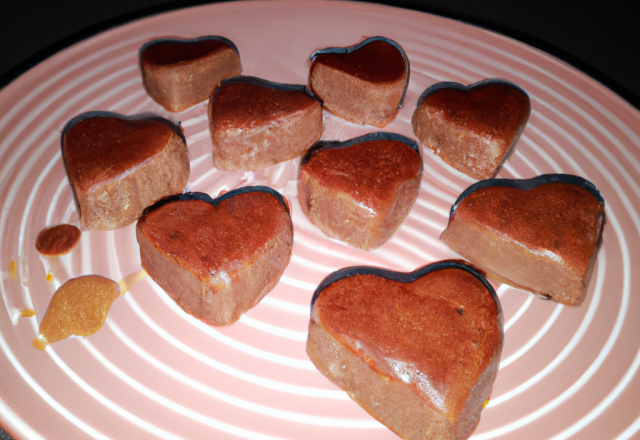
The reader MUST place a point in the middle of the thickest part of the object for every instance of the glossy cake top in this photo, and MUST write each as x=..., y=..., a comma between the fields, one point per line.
x=437, y=333
x=164, y=52
x=99, y=149
x=246, y=103
x=370, y=172
x=561, y=221
x=376, y=61
x=209, y=238
x=492, y=109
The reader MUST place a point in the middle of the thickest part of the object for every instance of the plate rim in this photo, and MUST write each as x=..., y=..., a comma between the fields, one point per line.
x=473, y=20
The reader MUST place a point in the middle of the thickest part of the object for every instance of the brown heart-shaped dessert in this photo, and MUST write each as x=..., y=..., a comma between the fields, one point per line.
x=365, y=83
x=474, y=129
x=179, y=73
x=540, y=235
x=256, y=123
x=217, y=258
x=360, y=191
x=419, y=351
x=119, y=165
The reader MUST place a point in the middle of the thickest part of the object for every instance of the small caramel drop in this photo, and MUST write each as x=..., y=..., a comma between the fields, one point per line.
x=39, y=343
x=49, y=277
x=79, y=307
x=13, y=270
x=56, y=241
x=27, y=313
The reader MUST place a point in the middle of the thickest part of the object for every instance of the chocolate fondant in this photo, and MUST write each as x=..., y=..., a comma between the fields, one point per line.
x=365, y=83
x=179, y=73
x=540, y=235
x=217, y=258
x=474, y=129
x=256, y=123
x=419, y=351
x=360, y=191
x=119, y=165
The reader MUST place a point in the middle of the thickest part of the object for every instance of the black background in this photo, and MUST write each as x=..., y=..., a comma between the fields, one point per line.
x=603, y=39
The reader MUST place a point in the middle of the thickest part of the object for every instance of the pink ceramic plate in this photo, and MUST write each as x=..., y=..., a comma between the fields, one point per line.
x=154, y=372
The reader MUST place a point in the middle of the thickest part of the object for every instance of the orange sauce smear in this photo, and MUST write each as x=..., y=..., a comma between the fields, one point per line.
x=79, y=307
x=13, y=270
x=27, y=313
x=131, y=280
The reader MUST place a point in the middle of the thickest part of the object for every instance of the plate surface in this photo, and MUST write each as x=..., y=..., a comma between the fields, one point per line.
x=154, y=372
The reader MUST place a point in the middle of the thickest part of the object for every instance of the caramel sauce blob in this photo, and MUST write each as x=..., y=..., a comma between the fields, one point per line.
x=58, y=240
x=79, y=307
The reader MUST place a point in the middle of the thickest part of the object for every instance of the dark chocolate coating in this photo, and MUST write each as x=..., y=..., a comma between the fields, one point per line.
x=207, y=198
x=457, y=86
x=253, y=80
x=193, y=48
x=528, y=184
x=375, y=136
x=141, y=116
x=404, y=277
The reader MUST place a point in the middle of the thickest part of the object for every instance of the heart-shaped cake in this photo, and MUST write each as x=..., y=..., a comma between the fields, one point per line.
x=178, y=73
x=256, y=123
x=217, y=258
x=419, y=351
x=540, y=235
x=365, y=83
x=119, y=165
x=474, y=129
x=360, y=191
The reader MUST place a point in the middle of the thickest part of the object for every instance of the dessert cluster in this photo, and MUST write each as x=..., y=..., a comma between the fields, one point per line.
x=420, y=350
